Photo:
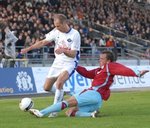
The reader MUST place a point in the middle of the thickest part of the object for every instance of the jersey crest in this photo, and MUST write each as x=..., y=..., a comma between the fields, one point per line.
x=69, y=40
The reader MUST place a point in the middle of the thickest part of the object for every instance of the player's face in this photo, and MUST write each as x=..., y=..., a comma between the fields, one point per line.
x=103, y=60
x=60, y=26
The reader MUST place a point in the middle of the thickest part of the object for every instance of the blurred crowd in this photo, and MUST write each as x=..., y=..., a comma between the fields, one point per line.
x=32, y=19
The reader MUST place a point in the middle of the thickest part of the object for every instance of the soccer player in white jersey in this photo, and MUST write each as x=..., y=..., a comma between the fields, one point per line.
x=67, y=53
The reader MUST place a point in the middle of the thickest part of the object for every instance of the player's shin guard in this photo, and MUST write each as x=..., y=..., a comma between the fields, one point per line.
x=55, y=108
x=59, y=94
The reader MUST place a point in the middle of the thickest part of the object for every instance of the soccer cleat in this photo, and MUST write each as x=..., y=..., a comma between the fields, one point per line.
x=35, y=112
x=97, y=111
x=54, y=114
x=95, y=114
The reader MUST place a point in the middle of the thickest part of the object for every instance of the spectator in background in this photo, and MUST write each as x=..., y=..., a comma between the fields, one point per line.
x=147, y=53
x=147, y=33
x=102, y=41
x=101, y=2
x=9, y=46
x=148, y=1
x=53, y=2
x=110, y=42
x=20, y=43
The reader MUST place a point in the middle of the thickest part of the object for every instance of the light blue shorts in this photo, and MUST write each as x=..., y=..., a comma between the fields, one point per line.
x=88, y=101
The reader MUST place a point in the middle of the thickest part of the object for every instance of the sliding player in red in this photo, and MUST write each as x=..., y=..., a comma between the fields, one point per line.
x=87, y=102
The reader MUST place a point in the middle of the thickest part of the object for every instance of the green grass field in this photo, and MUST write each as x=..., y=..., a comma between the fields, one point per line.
x=122, y=110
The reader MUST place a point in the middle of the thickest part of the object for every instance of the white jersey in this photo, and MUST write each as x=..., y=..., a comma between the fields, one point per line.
x=70, y=40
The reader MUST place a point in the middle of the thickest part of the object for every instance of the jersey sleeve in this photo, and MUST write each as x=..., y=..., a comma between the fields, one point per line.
x=51, y=36
x=86, y=73
x=119, y=69
x=76, y=42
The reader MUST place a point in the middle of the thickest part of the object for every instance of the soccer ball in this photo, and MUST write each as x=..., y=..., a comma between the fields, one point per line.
x=26, y=104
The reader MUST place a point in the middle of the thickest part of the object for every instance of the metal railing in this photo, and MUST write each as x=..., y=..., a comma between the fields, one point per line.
x=90, y=56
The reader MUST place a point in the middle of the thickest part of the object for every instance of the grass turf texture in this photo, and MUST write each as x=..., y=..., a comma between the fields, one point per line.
x=122, y=110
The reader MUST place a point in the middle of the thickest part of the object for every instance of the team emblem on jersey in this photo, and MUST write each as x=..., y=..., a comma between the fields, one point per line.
x=23, y=81
x=69, y=40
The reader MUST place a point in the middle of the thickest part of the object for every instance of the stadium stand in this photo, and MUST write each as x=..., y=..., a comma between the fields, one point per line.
x=125, y=22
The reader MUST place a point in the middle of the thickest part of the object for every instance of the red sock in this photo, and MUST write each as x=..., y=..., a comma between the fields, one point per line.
x=64, y=105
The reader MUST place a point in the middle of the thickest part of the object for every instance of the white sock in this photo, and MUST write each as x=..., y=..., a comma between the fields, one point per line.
x=59, y=94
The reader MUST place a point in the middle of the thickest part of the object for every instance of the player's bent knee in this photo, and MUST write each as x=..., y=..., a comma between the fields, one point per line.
x=46, y=88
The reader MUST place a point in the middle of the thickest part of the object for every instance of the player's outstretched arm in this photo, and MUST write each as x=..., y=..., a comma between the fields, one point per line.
x=38, y=44
x=119, y=69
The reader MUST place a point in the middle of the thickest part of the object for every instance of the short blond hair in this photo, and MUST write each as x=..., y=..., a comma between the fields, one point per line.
x=61, y=17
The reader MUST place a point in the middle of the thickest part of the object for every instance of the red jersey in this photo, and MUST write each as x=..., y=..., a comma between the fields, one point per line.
x=103, y=77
